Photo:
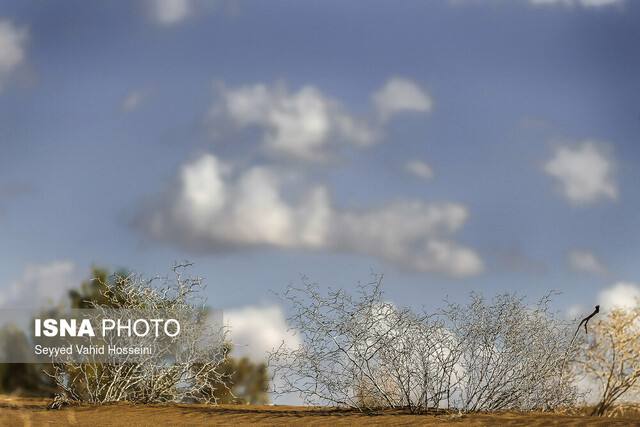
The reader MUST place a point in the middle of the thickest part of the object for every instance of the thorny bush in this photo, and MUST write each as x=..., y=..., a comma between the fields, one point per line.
x=360, y=351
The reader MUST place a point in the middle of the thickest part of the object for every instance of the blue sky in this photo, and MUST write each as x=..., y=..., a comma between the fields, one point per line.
x=449, y=145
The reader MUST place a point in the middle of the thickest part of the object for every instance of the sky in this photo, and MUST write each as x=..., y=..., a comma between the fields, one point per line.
x=450, y=146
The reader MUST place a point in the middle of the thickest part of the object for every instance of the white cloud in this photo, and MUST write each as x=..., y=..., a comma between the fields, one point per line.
x=257, y=330
x=12, y=48
x=298, y=125
x=401, y=95
x=412, y=234
x=585, y=174
x=622, y=294
x=598, y=3
x=211, y=207
x=420, y=169
x=135, y=99
x=306, y=124
x=585, y=261
x=588, y=4
x=170, y=12
x=583, y=3
x=40, y=284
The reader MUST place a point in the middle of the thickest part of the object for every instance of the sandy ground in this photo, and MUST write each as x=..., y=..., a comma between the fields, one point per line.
x=32, y=412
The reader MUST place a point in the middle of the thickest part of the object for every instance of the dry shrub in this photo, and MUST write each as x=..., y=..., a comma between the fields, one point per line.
x=195, y=377
x=364, y=352
x=610, y=358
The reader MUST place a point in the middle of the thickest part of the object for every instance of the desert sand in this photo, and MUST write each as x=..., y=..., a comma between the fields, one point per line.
x=16, y=411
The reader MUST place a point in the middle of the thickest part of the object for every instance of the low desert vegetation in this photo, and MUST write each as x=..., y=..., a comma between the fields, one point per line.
x=359, y=351
x=609, y=359
x=205, y=373
x=157, y=379
x=363, y=352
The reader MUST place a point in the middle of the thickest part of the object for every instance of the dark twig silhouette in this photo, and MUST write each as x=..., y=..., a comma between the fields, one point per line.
x=586, y=319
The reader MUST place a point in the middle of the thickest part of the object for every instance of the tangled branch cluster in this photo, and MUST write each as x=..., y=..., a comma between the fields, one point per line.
x=160, y=378
x=363, y=352
x=609, y=358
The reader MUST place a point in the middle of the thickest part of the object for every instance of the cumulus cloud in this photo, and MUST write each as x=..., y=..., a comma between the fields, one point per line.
x=622, y=294
x=412, y=234
x=298, y=125
x=306, y=124
x=619, y=295
x=587, y=4
x=40, y=284
x=584, y=174
x=211, y=207
x=135, y=99
x=257, y=330
x=12, y=48
x=583, y=3
x=401, y=95
x=420, y=169
x=170, y=12
x=585, y=261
